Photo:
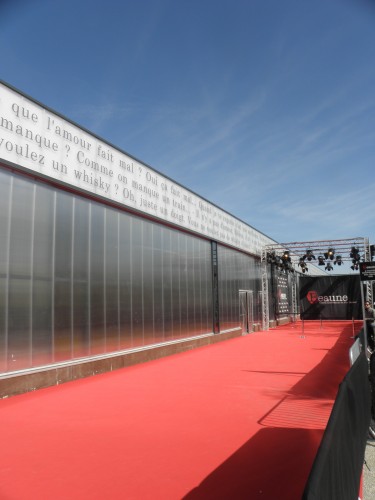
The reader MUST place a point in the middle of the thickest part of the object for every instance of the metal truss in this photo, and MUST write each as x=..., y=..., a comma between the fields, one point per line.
x=342, y=247
x=298, y=250
x=294, y=298
x=367, y=258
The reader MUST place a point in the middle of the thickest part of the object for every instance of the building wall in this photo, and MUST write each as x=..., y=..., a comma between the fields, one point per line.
x=81, y=279
x=78, y=278
x=103, y=260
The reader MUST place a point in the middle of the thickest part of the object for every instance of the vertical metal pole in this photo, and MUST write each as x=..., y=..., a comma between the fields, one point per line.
x=265, y=304
x=215, y=287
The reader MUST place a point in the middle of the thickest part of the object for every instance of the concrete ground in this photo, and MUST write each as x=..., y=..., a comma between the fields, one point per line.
x=369, y=471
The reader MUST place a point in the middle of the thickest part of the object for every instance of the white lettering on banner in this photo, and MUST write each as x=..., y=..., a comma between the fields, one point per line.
x=41, y=141
x=333, y=298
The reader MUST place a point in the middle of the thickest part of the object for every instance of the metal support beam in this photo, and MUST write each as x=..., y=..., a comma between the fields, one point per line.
x=294, y=297
x=265, y=305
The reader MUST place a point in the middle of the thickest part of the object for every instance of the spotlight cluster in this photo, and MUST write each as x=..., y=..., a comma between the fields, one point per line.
x=282, y=262
x=327, y=257
x=327, y=254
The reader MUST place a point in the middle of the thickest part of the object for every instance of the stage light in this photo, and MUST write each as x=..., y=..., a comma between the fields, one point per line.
x=354, y=254
x=286, y=261
x=328, y=267
x=286, y=257
x=271, y=257
x=330, y=254
x=309, y=255
x=321, y=260
x=372, y=251
x=338, y=260
x=303, y=265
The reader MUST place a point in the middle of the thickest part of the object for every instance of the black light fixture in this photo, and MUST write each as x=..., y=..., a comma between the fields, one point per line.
x=303, y=265
x=338, y=260
x=330, y=253
x=309, y=255
x=286, y=256
x=328, y=267
x=271, y=257
x=321, y=260
x=289, y=266
x=286, y=261
x=372, y=251
x=354, y=255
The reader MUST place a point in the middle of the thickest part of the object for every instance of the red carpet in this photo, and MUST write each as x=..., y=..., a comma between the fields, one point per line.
x=240, y=419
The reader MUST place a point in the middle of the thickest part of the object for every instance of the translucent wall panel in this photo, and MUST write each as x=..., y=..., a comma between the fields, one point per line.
x=63, y=279
x=157, y=284
x=183, y=286
x=97, y=279
x=42, y=276
x=137, y=283
x=166, y=283
x=81, y=282
x=175, y=286
x=79, y=279
x=125, y=282
x=112, y=282
x=5, y=201
x=19, y=293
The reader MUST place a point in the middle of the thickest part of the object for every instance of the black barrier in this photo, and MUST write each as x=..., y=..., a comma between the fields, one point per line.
x=337, y=469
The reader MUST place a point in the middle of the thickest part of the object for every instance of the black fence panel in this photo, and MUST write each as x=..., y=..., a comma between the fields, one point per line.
x=337, y=469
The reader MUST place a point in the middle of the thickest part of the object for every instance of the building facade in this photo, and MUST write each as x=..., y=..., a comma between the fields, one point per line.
x=102, y=257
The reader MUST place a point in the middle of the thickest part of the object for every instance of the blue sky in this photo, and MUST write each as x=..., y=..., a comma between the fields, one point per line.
x=264, y=107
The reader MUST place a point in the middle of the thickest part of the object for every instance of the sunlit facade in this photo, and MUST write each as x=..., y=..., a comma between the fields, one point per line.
x=83, y=275
x=79, y=278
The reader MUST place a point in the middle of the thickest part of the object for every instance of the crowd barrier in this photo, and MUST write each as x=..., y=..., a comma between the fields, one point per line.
x=337, y=469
